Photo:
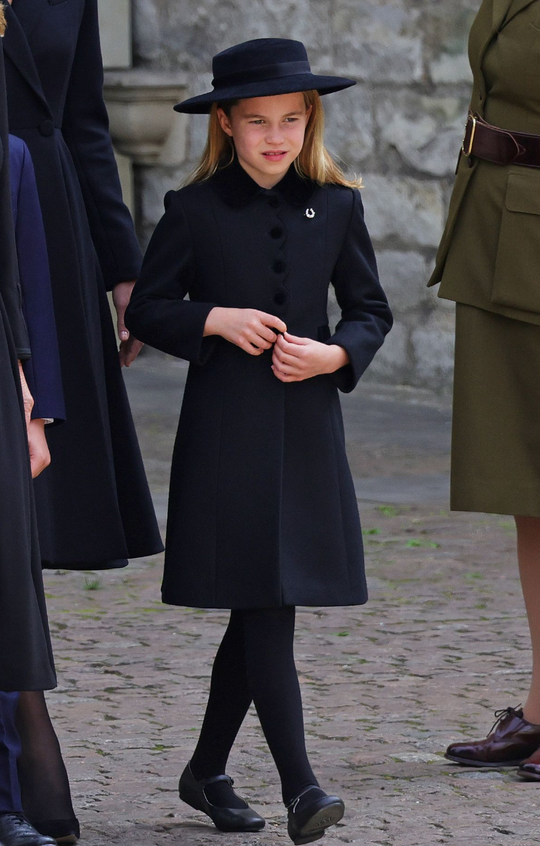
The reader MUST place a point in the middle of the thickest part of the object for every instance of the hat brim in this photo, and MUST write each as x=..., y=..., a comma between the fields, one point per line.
x=202, y=104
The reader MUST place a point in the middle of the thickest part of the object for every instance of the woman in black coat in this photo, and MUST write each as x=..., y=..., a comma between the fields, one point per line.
x=25, y=652
x=26, y=661
x=94, y=507
x=262, y=508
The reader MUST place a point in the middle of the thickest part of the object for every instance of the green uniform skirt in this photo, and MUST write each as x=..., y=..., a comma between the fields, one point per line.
x=496, y=420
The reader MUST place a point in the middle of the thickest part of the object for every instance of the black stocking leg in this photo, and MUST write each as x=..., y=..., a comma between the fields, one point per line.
x=273, y=680
x=255, y=660
x=227, y=707
x=42, y=774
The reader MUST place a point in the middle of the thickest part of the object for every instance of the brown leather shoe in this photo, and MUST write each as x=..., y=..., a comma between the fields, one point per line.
x=530, y=768
x=510, y=741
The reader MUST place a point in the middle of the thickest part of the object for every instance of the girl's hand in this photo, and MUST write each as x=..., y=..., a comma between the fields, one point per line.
x=40, y=457
x=295, y=359
x=249, y=329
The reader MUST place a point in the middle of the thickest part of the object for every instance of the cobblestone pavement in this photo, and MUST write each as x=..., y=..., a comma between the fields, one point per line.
x=440, y=645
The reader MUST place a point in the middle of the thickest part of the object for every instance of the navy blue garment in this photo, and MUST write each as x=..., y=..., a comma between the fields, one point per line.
x=262, y=506
x=10, y=749
x=93, y=503
x=42, y=370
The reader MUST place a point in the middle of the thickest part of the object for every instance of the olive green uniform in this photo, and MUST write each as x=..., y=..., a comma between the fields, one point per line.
x=489, y=263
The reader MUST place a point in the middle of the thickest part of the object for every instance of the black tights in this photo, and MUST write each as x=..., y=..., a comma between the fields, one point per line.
x=42, y=774
x=255, y=662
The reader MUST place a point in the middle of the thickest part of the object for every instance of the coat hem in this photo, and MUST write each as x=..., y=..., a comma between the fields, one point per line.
x=253, y=605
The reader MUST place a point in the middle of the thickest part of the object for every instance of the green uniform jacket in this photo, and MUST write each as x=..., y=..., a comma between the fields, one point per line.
x=489, y=256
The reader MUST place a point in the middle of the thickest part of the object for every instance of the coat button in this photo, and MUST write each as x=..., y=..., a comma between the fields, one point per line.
x=276, y=232
x=279, y=266
x=46, y=127
x=280, y=298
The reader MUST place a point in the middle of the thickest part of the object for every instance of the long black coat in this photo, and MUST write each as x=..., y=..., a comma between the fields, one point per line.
x=25, y=651
x=262, y=508
x=94, y=507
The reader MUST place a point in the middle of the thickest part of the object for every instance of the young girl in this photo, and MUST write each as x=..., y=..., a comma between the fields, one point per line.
x=262, y=509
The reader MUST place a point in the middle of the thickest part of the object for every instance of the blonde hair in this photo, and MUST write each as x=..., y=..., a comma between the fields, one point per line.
x=2, y=20
x=314, y=161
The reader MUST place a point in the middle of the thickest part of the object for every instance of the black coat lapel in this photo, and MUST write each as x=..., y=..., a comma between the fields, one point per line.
x=17, y=48
x=29, y=13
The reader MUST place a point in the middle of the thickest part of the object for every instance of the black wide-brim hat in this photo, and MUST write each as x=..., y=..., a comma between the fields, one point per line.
x=262, y=68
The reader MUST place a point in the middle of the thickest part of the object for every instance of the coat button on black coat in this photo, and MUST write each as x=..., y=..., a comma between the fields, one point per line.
x=278, y=266
x=46, y=127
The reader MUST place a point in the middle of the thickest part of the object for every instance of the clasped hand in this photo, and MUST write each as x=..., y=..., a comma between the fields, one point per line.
x=293, y=359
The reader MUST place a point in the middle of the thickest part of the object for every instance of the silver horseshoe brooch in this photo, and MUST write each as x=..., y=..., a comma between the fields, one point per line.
x=309, y=213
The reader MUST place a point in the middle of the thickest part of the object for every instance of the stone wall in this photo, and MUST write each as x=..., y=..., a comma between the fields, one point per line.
x=400, y=128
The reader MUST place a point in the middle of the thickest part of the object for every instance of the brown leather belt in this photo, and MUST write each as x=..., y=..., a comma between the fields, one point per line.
x=500, y=146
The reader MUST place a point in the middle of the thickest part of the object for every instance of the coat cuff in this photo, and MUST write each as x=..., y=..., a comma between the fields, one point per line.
x=129, y=273
x=51, y=415
x=200, y=347
x=347, y=377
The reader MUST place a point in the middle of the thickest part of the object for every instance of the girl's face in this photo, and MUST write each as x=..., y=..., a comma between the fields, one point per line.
x=268, y=134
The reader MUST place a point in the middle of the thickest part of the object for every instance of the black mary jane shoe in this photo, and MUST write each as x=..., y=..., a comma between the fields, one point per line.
x=308, y=821
x=66, y=832
x=15, y=830
x=192, y=792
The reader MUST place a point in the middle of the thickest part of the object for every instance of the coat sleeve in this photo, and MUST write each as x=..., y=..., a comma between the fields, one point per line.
x=86, y=130
x=365, y=313
x=158, y=313
x=42, y=370
x=10, y=290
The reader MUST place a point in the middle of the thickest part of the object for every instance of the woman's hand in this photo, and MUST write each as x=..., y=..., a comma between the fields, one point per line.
x=249, y=329
x=130, y=347
x=40, y=457
x=28, y=399
x=295, y=359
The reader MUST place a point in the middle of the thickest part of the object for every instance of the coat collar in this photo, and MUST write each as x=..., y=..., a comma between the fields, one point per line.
x=17, y=48
x=237, y=188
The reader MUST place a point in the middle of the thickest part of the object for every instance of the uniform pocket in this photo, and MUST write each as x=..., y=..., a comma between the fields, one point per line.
x=516, y=283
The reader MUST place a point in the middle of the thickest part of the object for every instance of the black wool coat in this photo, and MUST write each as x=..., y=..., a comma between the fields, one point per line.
x=262, y=508
x=93, y=503
x=25, y=651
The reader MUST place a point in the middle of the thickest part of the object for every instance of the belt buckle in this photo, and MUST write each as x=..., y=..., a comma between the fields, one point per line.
x=468, y=152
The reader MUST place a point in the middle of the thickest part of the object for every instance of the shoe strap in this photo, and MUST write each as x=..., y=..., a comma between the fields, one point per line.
x=293, y=804
x=204, y=782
